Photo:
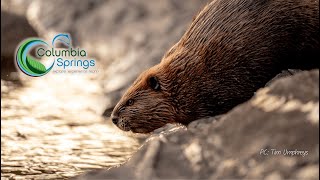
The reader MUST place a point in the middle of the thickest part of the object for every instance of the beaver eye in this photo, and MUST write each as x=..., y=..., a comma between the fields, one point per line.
x=153, y=83
x=130, y=102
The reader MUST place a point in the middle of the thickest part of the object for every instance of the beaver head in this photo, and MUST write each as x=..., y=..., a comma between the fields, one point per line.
x=176, y=90
x=146, y=105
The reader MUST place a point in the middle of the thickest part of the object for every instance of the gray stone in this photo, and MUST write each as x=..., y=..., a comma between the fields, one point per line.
x=280, y=118
x=18, y=7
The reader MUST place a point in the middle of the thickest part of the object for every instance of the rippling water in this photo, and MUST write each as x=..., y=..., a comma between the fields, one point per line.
x=51, y=127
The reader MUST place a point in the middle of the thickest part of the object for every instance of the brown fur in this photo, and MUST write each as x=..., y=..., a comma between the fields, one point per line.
x=232, y=48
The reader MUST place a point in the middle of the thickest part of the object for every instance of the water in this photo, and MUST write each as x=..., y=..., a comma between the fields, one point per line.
x=51, y=128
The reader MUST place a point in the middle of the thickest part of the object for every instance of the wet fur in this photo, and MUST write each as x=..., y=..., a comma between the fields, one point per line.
x=232, y=48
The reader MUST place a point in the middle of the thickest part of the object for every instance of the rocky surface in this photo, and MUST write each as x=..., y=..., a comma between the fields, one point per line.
x=275, y=135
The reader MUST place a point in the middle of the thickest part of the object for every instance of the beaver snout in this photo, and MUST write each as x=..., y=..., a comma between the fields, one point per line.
x=114, y=119
x=120, y=122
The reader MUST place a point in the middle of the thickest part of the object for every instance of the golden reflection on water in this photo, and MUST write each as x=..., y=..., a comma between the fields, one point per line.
x=52, y=127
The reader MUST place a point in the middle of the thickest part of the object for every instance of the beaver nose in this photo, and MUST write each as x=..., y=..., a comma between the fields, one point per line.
x=115, y=119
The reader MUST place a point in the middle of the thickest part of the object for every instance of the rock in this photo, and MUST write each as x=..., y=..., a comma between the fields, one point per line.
x=275, y=135
x=14, y=29
x=127, y=37
x=17, y=7
x=284, y=73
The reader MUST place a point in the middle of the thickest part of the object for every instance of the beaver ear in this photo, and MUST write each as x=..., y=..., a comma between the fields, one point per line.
x=154, y=83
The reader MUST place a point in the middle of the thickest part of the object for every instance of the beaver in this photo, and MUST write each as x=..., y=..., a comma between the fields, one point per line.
x=231, y=49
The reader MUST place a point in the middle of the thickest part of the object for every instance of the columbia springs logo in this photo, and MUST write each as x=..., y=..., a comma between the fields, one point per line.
x=33, y=67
